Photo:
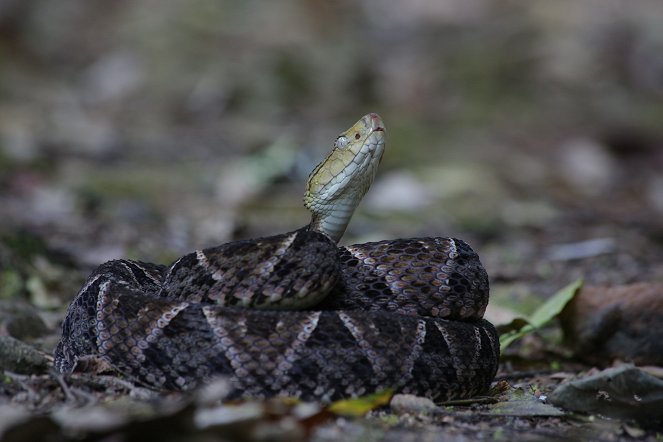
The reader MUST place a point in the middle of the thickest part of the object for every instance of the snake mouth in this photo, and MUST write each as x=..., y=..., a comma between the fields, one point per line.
x=375, y=122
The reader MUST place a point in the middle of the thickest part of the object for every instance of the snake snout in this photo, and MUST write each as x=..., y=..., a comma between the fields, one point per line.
x=375, y=122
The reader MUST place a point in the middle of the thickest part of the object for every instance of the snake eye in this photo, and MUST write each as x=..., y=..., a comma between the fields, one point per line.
x=341, y=142
x=357, y=136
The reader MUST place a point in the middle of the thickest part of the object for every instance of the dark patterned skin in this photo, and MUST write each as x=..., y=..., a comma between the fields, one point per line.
x=437, y=277
x=403, y=314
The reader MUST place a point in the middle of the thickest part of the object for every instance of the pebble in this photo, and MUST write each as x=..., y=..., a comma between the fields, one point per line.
x=411, y=404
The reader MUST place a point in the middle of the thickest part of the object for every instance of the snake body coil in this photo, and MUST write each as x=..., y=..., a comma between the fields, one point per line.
x=294, y=314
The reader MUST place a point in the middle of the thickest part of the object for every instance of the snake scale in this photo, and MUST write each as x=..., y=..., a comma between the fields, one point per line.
x=295, y=314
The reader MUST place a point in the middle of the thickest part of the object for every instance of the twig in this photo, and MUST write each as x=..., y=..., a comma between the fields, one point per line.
x=59, y=378
x=472, y=401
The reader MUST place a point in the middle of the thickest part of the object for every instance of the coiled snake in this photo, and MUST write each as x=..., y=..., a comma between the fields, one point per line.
x=294, y=314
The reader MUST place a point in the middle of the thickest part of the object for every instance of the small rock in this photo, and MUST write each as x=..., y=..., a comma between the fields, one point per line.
x=18, y=357
x=411, y=404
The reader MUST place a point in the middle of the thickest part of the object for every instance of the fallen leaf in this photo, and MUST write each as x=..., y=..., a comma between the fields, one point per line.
x=622, y=392
x=520, y=327
x=360, y=406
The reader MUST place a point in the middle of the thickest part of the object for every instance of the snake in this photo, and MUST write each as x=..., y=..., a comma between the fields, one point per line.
x=295, y=314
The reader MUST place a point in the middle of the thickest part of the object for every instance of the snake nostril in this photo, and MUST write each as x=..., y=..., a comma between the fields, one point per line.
x=375, y=122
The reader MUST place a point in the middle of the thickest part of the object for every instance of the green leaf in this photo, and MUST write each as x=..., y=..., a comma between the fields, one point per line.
x=360, y=406
x=544, y=314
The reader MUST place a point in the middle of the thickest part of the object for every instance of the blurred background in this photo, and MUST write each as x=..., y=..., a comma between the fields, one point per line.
x=142, y=129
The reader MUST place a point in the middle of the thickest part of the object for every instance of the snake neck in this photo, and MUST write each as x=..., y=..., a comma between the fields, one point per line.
x=334, y=222
x=340, y=181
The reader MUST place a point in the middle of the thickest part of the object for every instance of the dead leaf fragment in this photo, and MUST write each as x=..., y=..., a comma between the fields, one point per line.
x=622, y=392
x=358, y=407
x=603, y=324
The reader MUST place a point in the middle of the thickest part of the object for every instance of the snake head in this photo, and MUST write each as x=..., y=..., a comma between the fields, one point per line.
x=339, y=182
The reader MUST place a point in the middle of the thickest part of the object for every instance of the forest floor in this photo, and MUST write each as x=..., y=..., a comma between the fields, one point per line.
x=531, y=130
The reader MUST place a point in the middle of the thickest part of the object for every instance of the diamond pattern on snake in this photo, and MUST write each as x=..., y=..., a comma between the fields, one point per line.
x=294, y=314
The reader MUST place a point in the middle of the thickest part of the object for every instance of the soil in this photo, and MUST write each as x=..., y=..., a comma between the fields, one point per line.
x=532, y=131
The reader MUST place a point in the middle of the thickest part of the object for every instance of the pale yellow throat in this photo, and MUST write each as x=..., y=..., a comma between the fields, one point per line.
x=340, y=181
